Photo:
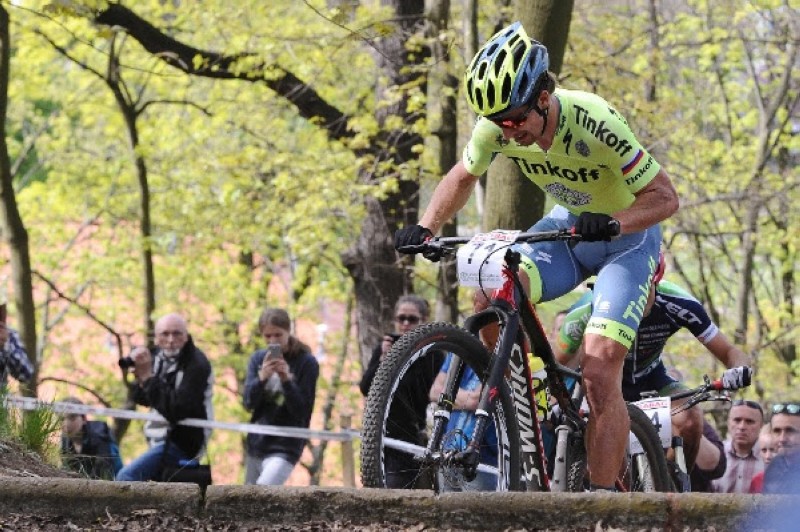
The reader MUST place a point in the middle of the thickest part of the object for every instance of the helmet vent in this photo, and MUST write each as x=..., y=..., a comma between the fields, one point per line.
x=479, y=98
x=498, y=62
x=490, y=50
x=506, y=91
x=482, y=70
x=519, y=53
x=512, y=40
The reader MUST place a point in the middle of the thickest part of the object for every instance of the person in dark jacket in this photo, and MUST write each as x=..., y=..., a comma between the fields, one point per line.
x=407, y=419
x=176, y=381
x=88, y=447
x=279, y=389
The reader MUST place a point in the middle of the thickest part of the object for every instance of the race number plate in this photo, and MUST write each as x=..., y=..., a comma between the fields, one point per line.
x=480, y=261
x=659, y=410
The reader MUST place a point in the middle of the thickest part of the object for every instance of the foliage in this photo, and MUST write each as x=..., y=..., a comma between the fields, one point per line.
x=717, y=69
x=35, y=429
x=253, y=205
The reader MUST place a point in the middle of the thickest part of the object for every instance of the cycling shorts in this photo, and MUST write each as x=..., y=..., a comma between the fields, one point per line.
x=624, y=268
x=657, y=380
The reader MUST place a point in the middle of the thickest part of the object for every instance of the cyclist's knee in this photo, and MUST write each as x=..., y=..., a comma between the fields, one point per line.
x=479, y=301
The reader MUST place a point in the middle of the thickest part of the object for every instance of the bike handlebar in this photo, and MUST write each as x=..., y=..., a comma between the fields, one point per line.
x=444, y=244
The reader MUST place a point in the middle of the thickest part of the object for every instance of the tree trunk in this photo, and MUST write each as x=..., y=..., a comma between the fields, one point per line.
x=372, y=261
x=14, y=229
x=512, y=200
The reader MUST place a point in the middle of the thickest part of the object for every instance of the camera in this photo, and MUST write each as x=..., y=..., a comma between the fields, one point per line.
x=394, y=336
x=126, y=362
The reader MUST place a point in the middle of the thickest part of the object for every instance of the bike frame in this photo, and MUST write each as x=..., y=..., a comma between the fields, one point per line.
x=521, y=332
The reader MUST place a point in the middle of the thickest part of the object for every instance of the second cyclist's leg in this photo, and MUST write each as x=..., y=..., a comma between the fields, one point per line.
x=607, y=433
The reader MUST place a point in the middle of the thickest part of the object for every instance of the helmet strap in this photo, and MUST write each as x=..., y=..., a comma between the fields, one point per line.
x=543, y=114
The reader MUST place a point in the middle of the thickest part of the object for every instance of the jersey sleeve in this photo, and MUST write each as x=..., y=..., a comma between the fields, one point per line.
x=483, y=146
x=687, y=311
x=571, y=334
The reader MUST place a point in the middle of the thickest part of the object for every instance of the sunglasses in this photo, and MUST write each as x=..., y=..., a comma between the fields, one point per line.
x=792, y=409
x=407, y=318
x=513, y=123
x=750, y=404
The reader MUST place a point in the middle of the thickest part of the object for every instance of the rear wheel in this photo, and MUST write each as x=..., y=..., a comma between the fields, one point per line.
x=396, y=429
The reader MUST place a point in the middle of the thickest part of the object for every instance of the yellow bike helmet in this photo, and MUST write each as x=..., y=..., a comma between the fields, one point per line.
x=505, y=72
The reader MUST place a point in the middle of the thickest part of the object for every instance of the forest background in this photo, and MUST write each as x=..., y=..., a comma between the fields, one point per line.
x=213, y=158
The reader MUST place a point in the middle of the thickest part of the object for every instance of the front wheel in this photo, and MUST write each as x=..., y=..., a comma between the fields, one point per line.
x=645, y=460
x=396, y=430
x=644, y=467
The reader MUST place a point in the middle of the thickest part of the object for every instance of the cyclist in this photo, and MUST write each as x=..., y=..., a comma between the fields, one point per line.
x=579, y=150
x=668, y=309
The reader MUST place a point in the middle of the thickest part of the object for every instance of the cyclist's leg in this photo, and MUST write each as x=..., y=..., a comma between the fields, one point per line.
x=548, y=269
x=607, y=432
x=624, y=269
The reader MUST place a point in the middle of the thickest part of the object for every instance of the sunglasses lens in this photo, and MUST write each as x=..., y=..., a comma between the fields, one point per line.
x=789, y=408
x=407, y=319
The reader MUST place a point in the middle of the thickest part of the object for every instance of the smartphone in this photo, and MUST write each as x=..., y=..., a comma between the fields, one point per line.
x=274, y=351
x=394, y=336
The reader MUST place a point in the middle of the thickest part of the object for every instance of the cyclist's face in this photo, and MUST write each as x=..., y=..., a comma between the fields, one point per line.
x=524, y=124
x=744, y=423
x=785, y=432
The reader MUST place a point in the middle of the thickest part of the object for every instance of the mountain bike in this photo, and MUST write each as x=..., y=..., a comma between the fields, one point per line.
x=660, y=411
x=400, y=442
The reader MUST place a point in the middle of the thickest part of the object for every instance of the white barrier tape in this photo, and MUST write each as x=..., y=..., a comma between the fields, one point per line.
x=31, y=403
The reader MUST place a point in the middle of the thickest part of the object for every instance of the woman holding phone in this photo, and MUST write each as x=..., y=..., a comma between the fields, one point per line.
x=279, y=389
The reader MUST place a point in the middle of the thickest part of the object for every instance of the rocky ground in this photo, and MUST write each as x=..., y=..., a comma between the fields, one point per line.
x=15, y=461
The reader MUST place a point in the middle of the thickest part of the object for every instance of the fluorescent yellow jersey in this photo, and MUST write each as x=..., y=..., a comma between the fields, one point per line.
x=595, y=163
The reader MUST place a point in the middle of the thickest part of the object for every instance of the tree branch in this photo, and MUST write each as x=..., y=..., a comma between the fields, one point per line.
x=240, y=66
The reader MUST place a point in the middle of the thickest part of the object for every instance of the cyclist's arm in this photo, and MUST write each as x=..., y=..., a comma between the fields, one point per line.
x=726, y=352
x=451, y=194
x=437, y=387
x=708, y=456
x=653, y=204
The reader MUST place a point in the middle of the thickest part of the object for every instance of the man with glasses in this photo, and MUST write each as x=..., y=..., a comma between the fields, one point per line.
x=745, y=419
x=407, y=423
x=783, y=473
x=581, y=151
x=175, y=380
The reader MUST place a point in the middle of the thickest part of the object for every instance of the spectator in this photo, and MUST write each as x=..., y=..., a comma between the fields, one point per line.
x=279, y=390
x=175, y=380
x=768, y=449
x=783, y=474
x=710, y=463
x=460, y=427
x=410, y=312
x=13, y=357
x=745, y=419
x=407, y=421
x=88, y=447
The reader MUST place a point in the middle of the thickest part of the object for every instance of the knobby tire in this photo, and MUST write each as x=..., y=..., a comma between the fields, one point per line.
x=396, y=405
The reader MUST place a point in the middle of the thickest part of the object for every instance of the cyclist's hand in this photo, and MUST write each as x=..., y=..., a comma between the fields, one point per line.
x=593, y=227
x=735, y=378
x=410, y=239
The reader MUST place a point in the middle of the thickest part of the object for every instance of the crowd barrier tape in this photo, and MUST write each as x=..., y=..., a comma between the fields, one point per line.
x=32, y=403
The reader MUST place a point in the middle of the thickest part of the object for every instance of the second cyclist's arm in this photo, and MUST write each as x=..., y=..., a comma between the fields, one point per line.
x=727, y=353
x=653, y=204
x=451, y=194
